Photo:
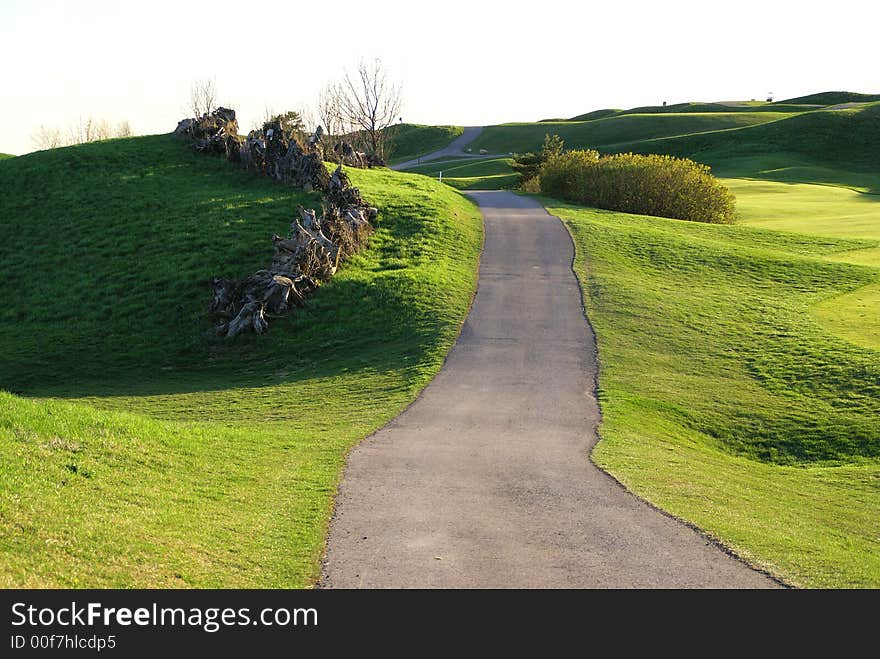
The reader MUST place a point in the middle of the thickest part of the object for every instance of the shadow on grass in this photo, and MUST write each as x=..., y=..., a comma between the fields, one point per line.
x=349, y=326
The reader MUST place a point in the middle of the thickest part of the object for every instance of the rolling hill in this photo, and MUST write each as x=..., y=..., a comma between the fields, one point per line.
x=201, y=462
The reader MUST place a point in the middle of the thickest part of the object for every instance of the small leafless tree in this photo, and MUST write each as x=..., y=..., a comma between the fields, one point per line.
x=203, y=97
x=47, y=137
x=123, y=129
x=369, y=104
x=328, y=114
x=79, y=132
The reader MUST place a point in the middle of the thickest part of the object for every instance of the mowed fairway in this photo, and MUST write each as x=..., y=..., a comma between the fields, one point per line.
x=825, y=210
x=727, y=398
x=139, y=452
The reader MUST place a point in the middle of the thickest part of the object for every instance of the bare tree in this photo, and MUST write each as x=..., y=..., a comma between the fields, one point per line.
x=327, y=111
x=47, y=137
x=370, y=104
x=203, y=97
x=123, y=129
x=82, y=130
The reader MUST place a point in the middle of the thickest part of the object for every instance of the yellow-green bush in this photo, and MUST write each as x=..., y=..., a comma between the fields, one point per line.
x=647, y=185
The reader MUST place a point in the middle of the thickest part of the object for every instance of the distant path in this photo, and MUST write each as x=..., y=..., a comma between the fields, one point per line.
x=455, y=148
x=485, y=481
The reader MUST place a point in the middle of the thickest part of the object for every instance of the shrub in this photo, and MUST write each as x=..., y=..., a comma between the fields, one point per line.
x=561, y=174
x=647, y=185
x=528, y=165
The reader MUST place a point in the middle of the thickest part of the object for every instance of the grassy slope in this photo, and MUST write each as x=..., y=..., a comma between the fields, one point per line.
x=413, y=140
x=605, y=133
x=724, y=402
x=832, y=211
x=199, y=462
x=832, y=98
x=472, y=174
x=832, y=138
x=595, y=114
x=755, y=106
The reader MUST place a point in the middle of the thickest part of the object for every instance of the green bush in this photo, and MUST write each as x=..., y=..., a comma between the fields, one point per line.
x=528, y=165
x=647, y=185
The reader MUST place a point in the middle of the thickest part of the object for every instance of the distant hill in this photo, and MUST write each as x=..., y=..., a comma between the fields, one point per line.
x=684, y=108
x=799, y=104
x=4, y=156
x=833, y=98
x=596, y=114
x=605, y=133
x=843, y=137
x=412, y=140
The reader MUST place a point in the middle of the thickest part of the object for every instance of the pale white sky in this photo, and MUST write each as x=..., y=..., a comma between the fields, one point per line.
x=460, y=62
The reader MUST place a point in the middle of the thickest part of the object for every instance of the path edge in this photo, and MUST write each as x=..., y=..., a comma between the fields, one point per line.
x=320, y=582
x=701, y=532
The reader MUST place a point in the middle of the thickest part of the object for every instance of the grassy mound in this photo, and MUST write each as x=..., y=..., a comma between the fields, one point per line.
x=4, y=156
x=724, y=401
x=596, y=114
x=604, y=134
x=472, y=173
x=413, y=140
x=200, y=462
x=849, y=138
x=753, y=106
x=832, y=98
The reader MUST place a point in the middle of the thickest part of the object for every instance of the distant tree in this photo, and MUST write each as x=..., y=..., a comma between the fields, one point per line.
x=123, y=129
x=47, y=137
x=291, y=121
x=203, y=97
x=80, y=131
x=328, y=112
x=368, y=105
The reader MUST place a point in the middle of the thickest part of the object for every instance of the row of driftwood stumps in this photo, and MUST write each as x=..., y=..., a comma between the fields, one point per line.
x=314, y=247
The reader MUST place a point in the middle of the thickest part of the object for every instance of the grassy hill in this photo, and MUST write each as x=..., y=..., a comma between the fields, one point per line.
x=472, y=173
x=606, y=132
x=200, y=462
x=832, y=98
x=726, y=400
x=413, y=140
x=595, y=114
x=849, y=138
x=4, y=156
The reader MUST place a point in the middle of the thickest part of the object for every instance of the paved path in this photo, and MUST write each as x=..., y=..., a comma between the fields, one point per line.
x=455, y=148
x=485, y=480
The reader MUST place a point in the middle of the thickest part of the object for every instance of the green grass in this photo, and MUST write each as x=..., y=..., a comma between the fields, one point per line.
x=472, y=173
x=679, y=108
x=596, y=114
x=4, y=156
x=413, y=140
x=790, y=168
x=847, y=139
x=755, y=106
x=141, y=453
x=832, y=98
x=724, y=401
x=824, y=210
x=604, y=134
